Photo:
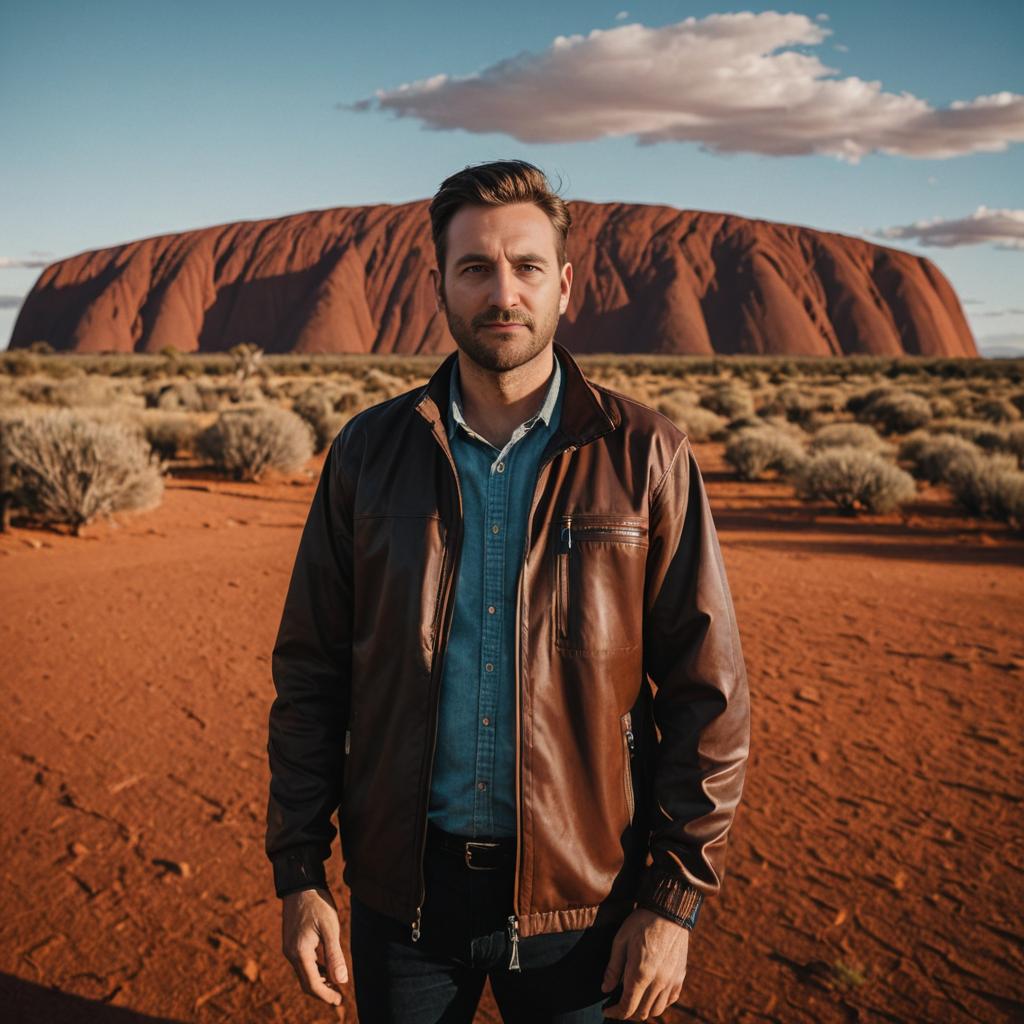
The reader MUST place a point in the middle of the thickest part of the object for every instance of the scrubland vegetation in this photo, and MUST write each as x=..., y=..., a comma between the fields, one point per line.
x=83, y=436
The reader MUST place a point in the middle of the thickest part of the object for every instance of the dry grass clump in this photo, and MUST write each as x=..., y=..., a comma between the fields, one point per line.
x=802, y=403
x=893, y=410
x=169, y=433
x=62, y=467
x=855, y=480
x=986, y=435
x=728, y=398
x=995, y=410
x=244, y=443
x=990, y=486
x=177, y=396
x=76, y=391
x=755, y=450
x=698, y=423
x=327, y=407
x=934, y=456
x=856, y=435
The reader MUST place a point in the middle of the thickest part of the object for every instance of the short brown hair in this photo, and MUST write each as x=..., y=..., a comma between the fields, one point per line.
x=498, y=183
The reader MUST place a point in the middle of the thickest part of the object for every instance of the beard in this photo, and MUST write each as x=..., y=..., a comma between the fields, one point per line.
x=500, y=354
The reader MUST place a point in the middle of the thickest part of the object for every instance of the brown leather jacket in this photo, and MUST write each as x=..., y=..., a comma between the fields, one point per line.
x=633, y=711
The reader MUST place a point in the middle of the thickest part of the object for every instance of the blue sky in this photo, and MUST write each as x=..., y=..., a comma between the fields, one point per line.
x=127, y=119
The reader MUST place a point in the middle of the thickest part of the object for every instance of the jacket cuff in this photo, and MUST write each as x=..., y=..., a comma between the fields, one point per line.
x=297, y=868
x=670, y=896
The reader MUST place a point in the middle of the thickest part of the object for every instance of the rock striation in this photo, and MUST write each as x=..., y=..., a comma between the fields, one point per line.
x=354, y=279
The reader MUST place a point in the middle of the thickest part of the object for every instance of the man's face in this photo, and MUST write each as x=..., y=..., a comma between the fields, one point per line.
x=503, y=288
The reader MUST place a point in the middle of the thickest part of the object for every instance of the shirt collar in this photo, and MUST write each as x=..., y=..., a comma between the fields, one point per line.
x=544, y=413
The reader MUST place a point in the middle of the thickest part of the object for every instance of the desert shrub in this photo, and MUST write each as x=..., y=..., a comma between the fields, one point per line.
x=244, y=443
x=896, y=412
x=1015, y=441
x=991, y=486
x=933, y=456
x=19, y=363
x=729, y=399
x=855, y=480
x=861, y=400
x=856, y=435
x=383, y=384
x=1018, y=401
x=942, y=406
x=169, y=433
x=995, y=410
x=247, y=360
x=749, y=422
x=64, y=467
x=798, y=404
x=248, y=392
x=328, y=407
x=323, y=420
x=757, y=449
x=697, y=423
x=179, y=395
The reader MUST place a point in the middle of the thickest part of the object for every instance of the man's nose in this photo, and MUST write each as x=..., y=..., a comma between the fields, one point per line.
x=504, y=288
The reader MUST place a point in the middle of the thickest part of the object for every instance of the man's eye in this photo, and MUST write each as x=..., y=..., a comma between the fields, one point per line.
x=529, y=266
x=475, y=266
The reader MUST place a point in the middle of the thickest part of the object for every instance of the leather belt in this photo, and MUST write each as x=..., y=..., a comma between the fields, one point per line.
x=477, y=854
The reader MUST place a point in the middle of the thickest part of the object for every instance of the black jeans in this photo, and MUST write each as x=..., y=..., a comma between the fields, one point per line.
x=464, y=940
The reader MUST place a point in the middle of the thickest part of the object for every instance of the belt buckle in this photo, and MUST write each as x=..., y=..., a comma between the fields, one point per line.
x=469, y=856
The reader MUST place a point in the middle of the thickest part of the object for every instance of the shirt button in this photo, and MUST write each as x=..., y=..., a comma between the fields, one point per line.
x=500, y=467
x=486, y=720
x=489, y=667
x=495, y=528
x=481, y=785
x=490, y=609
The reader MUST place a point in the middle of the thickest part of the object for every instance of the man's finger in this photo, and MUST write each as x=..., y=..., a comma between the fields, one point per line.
x=315, y=985
x=337, y=969
x=617, y=960
x=633, y=989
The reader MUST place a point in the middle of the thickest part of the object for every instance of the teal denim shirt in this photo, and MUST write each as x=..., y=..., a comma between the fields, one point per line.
x=472, y=790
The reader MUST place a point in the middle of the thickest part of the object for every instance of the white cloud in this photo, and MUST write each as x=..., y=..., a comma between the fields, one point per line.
x=730, y=82
x=1004, y=228
x=6, y=263
x=622, y=16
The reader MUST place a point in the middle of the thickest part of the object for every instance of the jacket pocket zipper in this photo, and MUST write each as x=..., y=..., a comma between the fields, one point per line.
x=629, y=745
x=562, y=603
x=622, y=533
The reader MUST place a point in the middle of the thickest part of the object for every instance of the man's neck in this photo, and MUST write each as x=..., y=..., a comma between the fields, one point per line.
x=494, y=404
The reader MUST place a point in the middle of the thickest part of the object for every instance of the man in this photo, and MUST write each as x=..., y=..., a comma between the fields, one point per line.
x=508, y=658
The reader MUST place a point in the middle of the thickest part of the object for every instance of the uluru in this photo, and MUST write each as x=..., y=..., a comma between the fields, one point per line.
x=647, y=278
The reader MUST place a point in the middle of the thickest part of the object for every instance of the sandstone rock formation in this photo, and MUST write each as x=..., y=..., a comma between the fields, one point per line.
x=354, y=279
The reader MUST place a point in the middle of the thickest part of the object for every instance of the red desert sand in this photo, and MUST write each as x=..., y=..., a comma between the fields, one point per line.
x=874, y=871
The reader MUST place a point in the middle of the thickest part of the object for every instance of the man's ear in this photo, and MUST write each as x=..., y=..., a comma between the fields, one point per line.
x=566, y=288
x=435, y=280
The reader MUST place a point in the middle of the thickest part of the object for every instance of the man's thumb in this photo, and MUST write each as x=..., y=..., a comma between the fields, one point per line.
x=337, y=969
x=613, y=972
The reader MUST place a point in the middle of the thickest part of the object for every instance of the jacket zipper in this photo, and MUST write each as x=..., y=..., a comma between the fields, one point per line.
x=513, y=918
x=630, y=746
x=446, y=624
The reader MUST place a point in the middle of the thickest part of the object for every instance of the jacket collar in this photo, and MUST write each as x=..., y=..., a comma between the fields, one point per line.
x=584, y=414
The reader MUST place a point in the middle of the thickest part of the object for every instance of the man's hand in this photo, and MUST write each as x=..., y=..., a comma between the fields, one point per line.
x=649, y=955
x=310, y=936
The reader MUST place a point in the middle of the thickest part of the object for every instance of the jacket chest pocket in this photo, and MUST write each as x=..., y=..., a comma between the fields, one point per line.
x=600, y=562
